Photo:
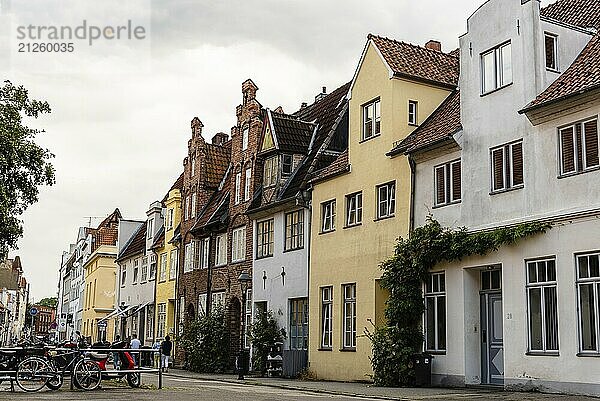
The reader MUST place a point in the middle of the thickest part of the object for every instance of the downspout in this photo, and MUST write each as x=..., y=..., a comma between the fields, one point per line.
x=413, y=168
x=209, y=276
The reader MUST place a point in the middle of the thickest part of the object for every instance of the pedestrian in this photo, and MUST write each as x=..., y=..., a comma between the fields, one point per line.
x=116, y=354
x=165, y=352
x=156, y=354
x=136, y=344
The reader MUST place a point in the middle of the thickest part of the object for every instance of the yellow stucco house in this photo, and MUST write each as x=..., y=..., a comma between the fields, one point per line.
x=167, y=255
x=100, y=274
x=361, y=203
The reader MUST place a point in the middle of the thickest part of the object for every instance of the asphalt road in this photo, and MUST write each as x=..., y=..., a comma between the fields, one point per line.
x=188, y=389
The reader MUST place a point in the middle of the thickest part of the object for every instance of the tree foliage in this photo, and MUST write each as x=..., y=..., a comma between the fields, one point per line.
x=206, y=343
x=49, y=302
x=403, y=275
x=24, y=166
x=264, y=333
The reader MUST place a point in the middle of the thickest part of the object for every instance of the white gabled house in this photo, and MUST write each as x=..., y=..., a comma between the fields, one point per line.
x=518, y=142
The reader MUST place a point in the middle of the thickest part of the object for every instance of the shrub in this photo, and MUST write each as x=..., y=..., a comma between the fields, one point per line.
x=264, y=333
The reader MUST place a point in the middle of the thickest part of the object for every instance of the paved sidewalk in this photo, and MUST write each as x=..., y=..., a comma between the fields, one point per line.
x=383, y=393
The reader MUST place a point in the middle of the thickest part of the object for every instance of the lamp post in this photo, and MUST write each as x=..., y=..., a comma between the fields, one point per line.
x=244, y=279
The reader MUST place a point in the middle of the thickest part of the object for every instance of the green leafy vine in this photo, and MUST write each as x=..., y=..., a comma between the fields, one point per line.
x=395, y=344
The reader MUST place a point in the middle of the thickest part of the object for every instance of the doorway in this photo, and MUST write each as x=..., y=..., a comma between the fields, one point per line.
x=492, y=338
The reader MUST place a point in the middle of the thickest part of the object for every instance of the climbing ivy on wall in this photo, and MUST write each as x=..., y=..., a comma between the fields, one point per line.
x=403, y=274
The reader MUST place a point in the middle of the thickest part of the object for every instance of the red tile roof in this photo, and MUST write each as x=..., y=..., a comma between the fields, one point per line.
x=107, y=231
x=217, y=161
x=412, y=61
x=440, y=125
x=581, y=13
x=582, y=76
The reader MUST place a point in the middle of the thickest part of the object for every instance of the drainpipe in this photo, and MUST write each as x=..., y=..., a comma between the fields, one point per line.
x=209, y=277
x=413, y=168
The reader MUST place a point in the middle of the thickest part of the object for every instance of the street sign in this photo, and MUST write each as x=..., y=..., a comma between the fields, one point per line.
x=62, y=325
x=33, y=311
x=101, y=325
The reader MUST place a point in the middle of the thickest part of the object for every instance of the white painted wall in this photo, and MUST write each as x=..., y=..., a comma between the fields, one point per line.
x=272, y=290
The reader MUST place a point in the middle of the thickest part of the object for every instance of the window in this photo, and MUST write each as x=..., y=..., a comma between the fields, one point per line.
x=287, y=165
x=412, y=112
x=221, y=250
x=193, y=172
x=551, y=44
x=349, y=291
x=496, y=68
x=150, y=321
x=217, y=299
x=386, y=200
x=326, y=317
x=162, y=320
x=238, y=183
x=435, y=312
x=371, y=120
x=353, y=209
x=447, y=183
x=541, y=305
x=578, y=147
x=202, y=304
x=186, y=208
x=188, y=263
x=507, y=166
x=135, y=270
x=150, y=228
x=170, y=213
x=181, y=314
x=193, y=211
x=152, y=267
x=264, y=238
x=238, y=244
x=163, y=267
x=245, y=138
x=123, y=276
x=205, y=244
x=294, y=230
x=247, y=182
x=299, y=323
x=173, y=264
x=588, y=289
x=248, y=318
x=270, y=173
x=328, y=216
x=491, y=280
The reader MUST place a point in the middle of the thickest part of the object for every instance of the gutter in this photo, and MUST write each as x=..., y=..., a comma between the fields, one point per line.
x=413, y=173
x=527, y=109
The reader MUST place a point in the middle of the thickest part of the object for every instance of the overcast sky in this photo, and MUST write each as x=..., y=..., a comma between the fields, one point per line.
x=121, y=110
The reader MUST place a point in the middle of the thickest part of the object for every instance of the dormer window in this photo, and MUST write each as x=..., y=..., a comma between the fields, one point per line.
x=270, y=172
x=496, y=68
x=371, y=119
x=551, y=47
x=287, y=165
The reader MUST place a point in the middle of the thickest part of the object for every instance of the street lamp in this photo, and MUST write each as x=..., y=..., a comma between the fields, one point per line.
x=244, y=279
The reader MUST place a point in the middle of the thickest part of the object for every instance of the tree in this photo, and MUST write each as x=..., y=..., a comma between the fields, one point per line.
x=264, y=333
x=24, y=166
x=49, y=302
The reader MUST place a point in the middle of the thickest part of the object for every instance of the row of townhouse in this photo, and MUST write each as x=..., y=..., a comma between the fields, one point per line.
x=501, y=130
x=14, y=296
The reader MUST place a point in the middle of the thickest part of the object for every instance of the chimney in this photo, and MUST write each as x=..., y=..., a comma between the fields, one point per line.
x=220, y=138
x=434, y=45
x=321, y=95
x=196, y=127
x=303, y=105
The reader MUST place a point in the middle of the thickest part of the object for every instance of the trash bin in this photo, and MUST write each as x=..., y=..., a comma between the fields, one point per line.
x=422, y=364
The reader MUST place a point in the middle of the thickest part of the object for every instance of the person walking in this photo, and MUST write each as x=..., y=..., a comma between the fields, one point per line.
x=135, y=344
x=156, y=354
x=165, y=352
x=116, y=354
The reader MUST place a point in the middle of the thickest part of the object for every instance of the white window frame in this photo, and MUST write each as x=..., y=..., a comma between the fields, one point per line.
x=293, y=230
x=328, y=211
x=173, y=264
x=498, y=65
x=193, y=211
x=245, y=133
x=221, y=250
x=238, y=244
x=136, y=270
x=435, y=289
x=413, y=110
x=349, y=316
x=202, y=304
x=161, y=321
x=150, y=228
x=248, y=318
x=144, y=276
x=540, y=283
x=594, y=281
x=389, y=202
x=217, y=299
x=205, y=244
x=354, y=208
x=170, y=218
x=163, y=267
x=554, y=38
x=326, y=317
x=238, y=184
x=188, y=261
x=373, y=107
x=152, y=269
x=247, y=182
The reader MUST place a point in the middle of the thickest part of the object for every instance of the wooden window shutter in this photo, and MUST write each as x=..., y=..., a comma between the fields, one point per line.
x=579, y=144
x=591, y=143
x=517, y=163
x=498, y=168
x=567, y=150
x=440, y=183
x=456, y=181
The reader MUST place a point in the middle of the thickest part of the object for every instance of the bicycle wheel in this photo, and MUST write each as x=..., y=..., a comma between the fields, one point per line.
x=134, y=379
x=33, y=373
x=87, y=375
